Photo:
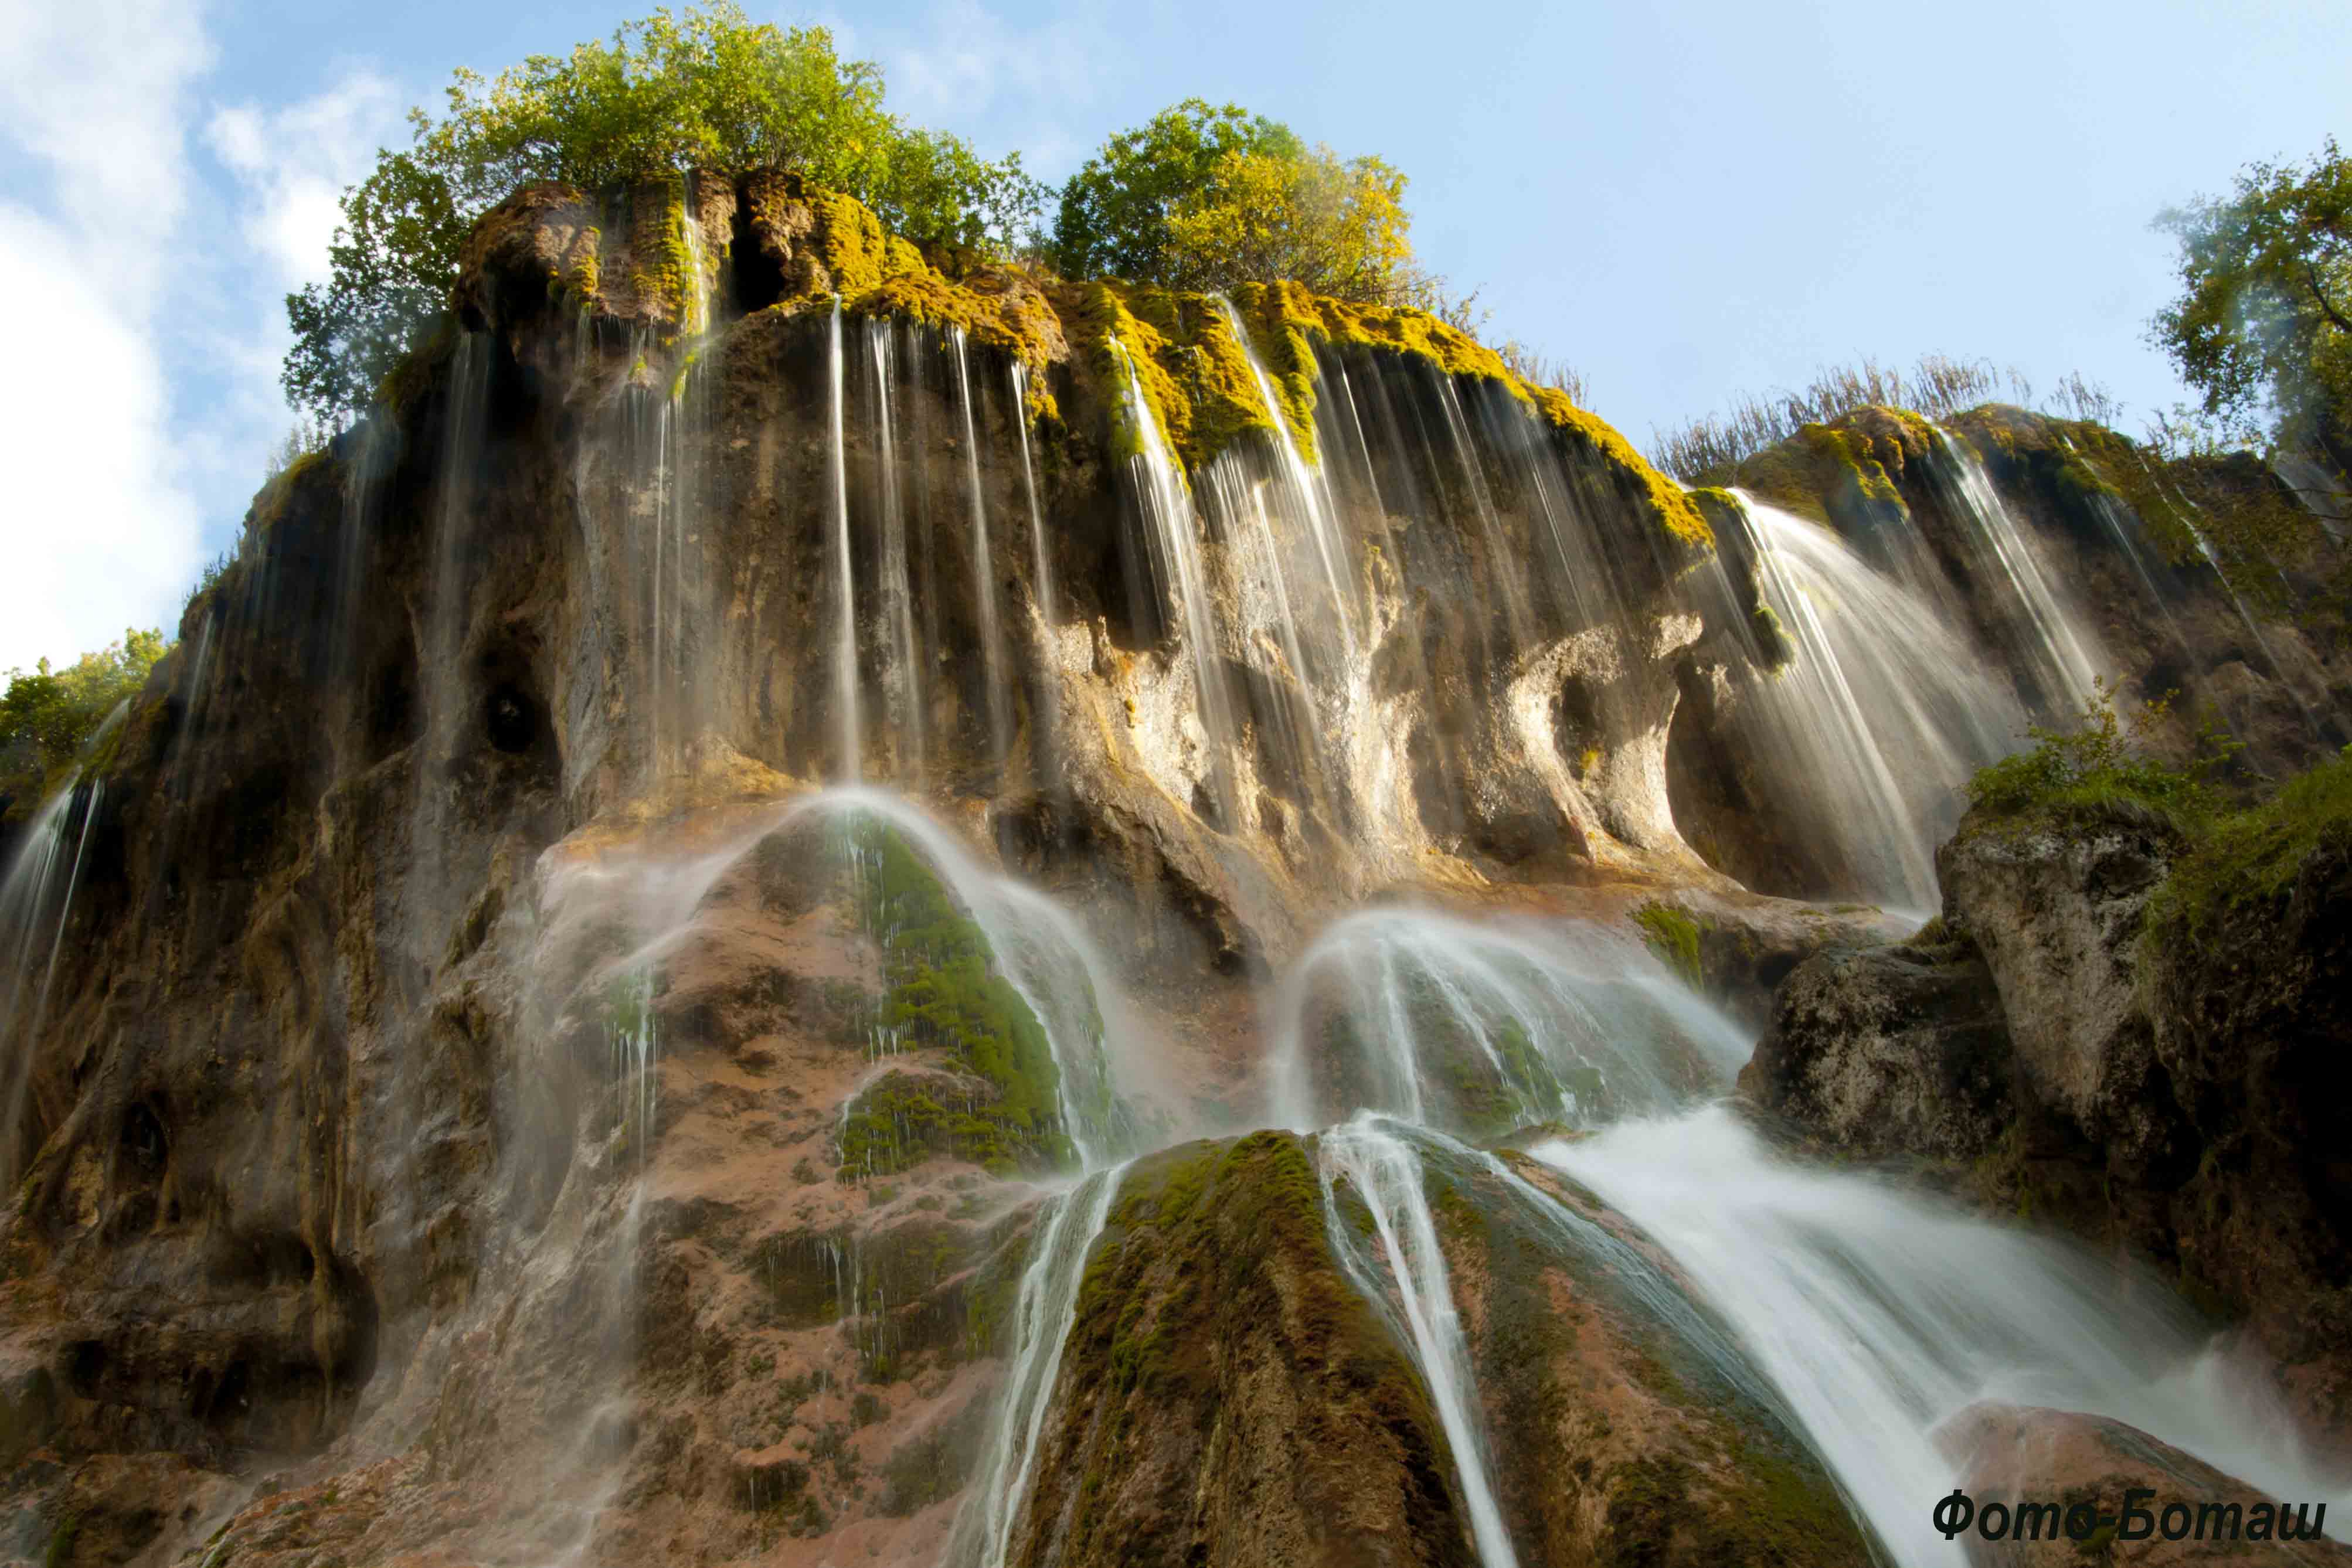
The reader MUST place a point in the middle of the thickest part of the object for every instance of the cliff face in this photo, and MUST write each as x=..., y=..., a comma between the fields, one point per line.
x=481, y=1106
x=2052, y=1055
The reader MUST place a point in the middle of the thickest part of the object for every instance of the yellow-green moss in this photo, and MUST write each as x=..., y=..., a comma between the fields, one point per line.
x=874, y=273
x=584, y=269
x=1674, y=936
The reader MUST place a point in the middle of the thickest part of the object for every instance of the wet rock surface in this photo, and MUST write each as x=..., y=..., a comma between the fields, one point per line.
x=2011, y=1454
x=464, y=1124
x=2045, y=1057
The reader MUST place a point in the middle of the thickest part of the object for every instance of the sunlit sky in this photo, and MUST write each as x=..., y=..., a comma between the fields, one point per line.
x=1685, y=201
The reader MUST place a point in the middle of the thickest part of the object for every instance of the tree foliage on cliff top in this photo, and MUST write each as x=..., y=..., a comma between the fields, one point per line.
x=670, y=92
x=2262, y=328
x=1206, y=199
x=46, y=715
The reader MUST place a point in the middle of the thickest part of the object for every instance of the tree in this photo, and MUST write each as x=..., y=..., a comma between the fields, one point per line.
x=1261, y=217
x=1205, y=198
x=708, y=88
x=2262, y=328
x=1113, y=219
x=46, y=715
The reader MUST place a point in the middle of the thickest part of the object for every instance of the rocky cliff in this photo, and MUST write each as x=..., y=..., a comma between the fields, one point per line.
x=583, y=983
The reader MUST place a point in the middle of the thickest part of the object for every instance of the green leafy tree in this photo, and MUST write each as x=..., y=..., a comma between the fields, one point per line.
x=1113, y=218
x=1205, y=198
x=47, y=715
x=2262, y=328
x=1339, y=228
x=706, y=89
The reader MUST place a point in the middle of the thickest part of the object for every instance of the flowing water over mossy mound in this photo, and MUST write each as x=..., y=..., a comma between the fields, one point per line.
x=1214, y=1329
x=944, y=990
x=1626, y=1424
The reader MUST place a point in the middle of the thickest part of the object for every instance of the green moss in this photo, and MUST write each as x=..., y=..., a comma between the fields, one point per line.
x=2251, y=858
x=874, y=273
x=61, y=1544
x=1674, y=936
x=1196, y=379
x=942, y=989
x=2101, y=771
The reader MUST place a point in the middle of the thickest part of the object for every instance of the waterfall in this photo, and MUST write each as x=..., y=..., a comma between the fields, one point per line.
x=845, y=648
x=983, y=569
x=903, y=657
x=2065, y=659
x=1307, y=496
x=36, y=901
x=1041, y=563
x=2191, y=518
x=1878, y=1313
x=1480, y=1027
x=1173, y=538
x=1383, y=1170
x=1042, y=1316
x=1041, y=951
x=1879, y=718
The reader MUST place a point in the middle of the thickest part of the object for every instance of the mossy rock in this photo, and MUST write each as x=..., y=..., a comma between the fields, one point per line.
x=1215, y=1327
x=1627, y=1427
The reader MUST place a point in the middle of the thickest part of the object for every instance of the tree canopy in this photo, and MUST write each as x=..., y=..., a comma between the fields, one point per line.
x=1205, y=198
x=2262, y=328
x=46, y=715
x=705, y=88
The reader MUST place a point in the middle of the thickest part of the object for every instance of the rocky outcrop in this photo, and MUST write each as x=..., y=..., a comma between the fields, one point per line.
x=2049, y=1054
x=2009, y=1454
x=1889, y=1052
x=1627, y=1424
x=1214, y=1328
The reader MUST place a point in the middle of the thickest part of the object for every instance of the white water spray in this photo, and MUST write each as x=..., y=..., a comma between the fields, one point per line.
x=1877, y=1314
x=992, y=642
x=845, y=648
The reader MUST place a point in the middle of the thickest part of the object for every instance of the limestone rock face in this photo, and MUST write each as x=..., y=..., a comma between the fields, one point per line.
x=2046, y=1057
x=1890, y=1050
x=2056, y=916
x=2009, y=1454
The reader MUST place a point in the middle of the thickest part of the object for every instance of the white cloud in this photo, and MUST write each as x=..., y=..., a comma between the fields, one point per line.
x=94, y=98
x=95, y=91
x=964, y=69
x=94, y=507
x=293, y=164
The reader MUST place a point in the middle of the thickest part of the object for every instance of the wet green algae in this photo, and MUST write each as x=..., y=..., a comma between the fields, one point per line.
x=940, y=988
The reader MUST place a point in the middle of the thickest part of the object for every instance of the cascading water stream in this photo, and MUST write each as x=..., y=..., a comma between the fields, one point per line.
x=1041, y=951
x=1383, y=1171
x=36, y=902
x=1878, y=1315
x=904, y=678
x=2066, y=658
x=992, y=640
x=1545, y=1024
x=1040, y=562
x=1175, y=550
x=2191, y=518
x=1881, y=715
x=1307, y=497
x=1046, y=1307
x=845, y=648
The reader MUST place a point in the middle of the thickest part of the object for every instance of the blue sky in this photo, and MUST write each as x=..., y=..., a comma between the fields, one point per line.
x=1684, y=200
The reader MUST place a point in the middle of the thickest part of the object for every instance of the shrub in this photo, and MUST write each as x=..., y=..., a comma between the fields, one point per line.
x=2105, y=766
x=46, y=715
